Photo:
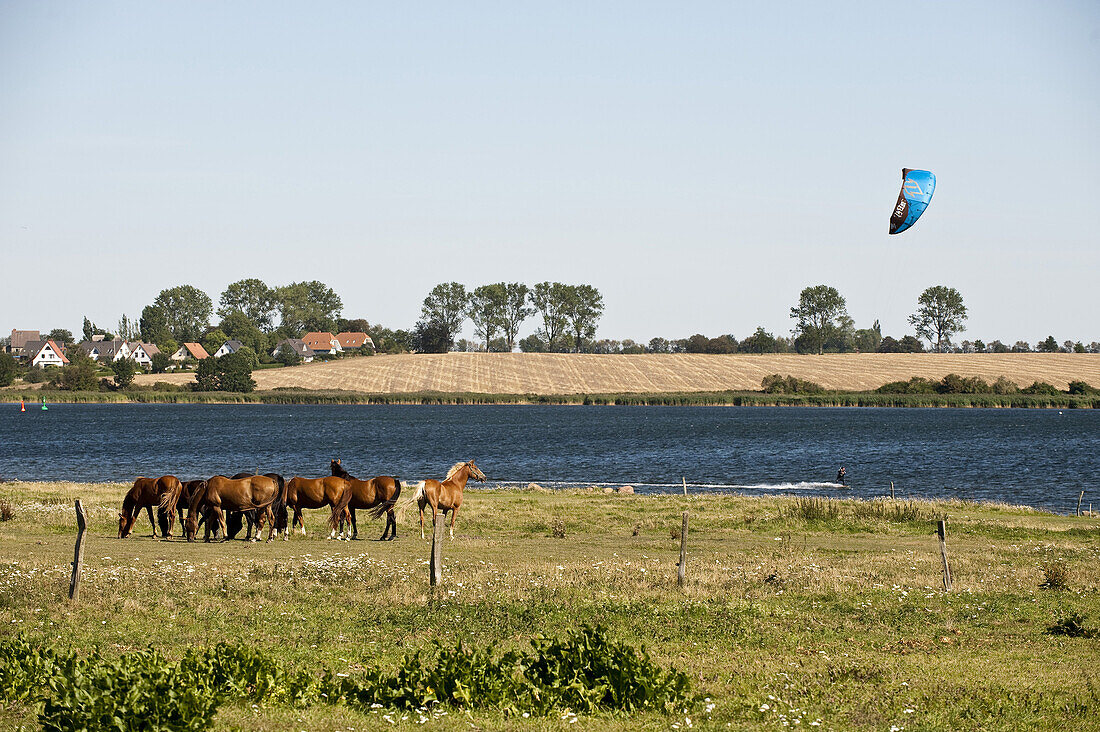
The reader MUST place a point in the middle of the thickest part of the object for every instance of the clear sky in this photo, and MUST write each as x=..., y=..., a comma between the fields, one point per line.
x=700, y=163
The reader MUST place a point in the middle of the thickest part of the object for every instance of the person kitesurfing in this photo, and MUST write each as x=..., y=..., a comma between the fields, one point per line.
x=842, y=476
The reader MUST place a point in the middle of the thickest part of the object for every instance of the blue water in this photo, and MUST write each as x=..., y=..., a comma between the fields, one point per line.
x=1040, y=458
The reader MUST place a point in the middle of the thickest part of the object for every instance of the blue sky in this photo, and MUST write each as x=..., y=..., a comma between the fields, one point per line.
x=699, y=163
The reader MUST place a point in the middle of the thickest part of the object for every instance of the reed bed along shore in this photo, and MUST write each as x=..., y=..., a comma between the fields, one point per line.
x=796, y=612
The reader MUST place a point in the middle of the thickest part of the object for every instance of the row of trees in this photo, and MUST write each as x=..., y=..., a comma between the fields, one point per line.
x=569, y=313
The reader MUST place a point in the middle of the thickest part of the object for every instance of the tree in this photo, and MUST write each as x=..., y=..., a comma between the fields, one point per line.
x=659, y=345
x=251, y=298
x=818, y=312
x=91, y=329
x=867, y=340
x=61, y=336
x=287, y=356
x=760, y=342
x=486, y=307
x=79, y=375
x=214, y=340
x=533, y=344
x=432, y=336
x=307, y=306
x=7, y=369
x=187, y=311
x=127, y=329
x=583, y=308
x=124, y=370
x=161, y=362
x=1021, y=347
x=446, y=305
x=153, y=325
x=549, y=298
x=232, y=372
x=1047, y=346
x=940, y=315
x=355, y=325
x=240, y=327
x=515, y=311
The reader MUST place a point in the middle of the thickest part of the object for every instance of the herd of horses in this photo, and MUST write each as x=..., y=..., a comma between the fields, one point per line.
x=228, y=503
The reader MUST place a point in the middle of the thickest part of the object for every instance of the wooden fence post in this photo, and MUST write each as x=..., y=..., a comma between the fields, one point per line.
x=942, y=531
x=1079, y=499
x=437, y=549
x=78, y=555
x=680, y=569
x=685, y=484
x=891, y=490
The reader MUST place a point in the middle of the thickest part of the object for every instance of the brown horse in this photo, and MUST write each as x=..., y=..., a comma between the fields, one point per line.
x=257, y=492
x=445, y=494
x=313, y=493
x=235, y=520
x=377, y=495
x=146, y=493
x=189, y=487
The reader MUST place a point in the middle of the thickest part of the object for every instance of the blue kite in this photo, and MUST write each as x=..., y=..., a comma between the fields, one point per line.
x=916, y=194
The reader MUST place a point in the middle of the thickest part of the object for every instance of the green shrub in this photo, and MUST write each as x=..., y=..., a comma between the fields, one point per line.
x=1041, y=387
x=900, y=512
x=1081, y=387
x=1004, y=386
x=25, y=669
x=34, y=375
x=915, y=385
x=812, y=508
x=1055, y=576
x=955, y=384
x=776, y=384
x=235, y=672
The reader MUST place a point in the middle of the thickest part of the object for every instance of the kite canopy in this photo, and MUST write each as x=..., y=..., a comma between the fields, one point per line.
x=916, y=192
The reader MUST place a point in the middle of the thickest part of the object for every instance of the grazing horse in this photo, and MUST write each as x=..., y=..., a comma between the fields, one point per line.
x=254, y=493
x=234, y=520
x=313, y=493
x=377, y=495
x=146, y=493
x=445, y=495
x=189, y=487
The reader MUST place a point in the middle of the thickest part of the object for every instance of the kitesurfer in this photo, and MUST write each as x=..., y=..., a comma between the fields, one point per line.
x=841, y=476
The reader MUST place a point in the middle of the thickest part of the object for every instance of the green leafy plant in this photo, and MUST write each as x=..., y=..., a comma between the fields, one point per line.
x=1073, y=626
x=1055, y=576
x=812, y=508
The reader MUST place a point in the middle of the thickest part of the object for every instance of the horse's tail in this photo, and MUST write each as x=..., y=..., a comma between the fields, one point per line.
x=404, y=505
x=278, y=506
x=171, y=497
x=389, y=503
x=340, y=507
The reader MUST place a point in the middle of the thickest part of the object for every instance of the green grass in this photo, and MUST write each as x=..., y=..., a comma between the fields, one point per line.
x=830, y=612
x=719, y=398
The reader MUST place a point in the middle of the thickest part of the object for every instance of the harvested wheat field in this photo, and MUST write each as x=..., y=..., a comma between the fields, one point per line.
x=566, y=373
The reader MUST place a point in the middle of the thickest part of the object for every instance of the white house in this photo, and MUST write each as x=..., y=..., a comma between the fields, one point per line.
x=143, y=353
x=44, y=353
x=297, y=345
x=320, y=342
x=227, y=348
x=106, y=351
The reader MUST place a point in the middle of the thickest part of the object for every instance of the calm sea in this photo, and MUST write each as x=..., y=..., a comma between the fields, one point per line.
x=1037, y=457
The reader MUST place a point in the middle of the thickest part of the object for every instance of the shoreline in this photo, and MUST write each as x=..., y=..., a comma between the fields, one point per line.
x=699, y=399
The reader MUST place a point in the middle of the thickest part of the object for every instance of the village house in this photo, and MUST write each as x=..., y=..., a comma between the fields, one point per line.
x=20, y=338
x=354, y=341
x=143, y=353
x=227, y=348
x=105, y=351
x=44, y=353
x=322, y=343
x=190, y=352
x=298, y=345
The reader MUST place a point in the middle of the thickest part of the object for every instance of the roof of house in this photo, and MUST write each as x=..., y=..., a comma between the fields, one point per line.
x=20, y=338
x=103, y=348
x=149, y=348
x=234, y=345
x=33, y=348
x=196, y=350
x=297, y=344
x=319, y=337
x=350, y=339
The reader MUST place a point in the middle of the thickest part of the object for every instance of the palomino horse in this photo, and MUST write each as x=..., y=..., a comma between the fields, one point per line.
x=313, y=493
x=146, y=493
x=377, y=495
x=254, y=493
x=445, y=494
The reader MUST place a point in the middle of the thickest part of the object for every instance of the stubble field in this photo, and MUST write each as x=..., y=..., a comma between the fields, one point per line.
x=564, y=373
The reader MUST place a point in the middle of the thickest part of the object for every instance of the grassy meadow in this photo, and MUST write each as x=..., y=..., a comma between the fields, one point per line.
x=796, y=612
x=578, y=373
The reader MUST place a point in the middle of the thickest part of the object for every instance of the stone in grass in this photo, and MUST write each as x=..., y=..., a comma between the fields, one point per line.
x=627, y=490
x=608, y=489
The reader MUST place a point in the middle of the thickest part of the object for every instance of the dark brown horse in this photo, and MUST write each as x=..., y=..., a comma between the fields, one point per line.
x=446, y=494
x=313, y=493
x=376, y=495
x=146, y=493
x=189, y=487
x=235, y=520
x=254, y=493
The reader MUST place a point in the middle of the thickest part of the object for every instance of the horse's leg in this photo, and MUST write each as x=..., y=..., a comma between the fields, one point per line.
x=149, y=510
x=392, y=518
x=454, y=515
x=300, y=520
x=354, y=525
x=271, y=517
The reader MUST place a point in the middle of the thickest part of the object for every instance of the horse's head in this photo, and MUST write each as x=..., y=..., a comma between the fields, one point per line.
x=125, y=524
x=475, y=472
x=191, y=526
x=337, y=468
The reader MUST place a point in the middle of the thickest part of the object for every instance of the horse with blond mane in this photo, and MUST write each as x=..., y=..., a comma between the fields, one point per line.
x=443, y=495
x=376, y=495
